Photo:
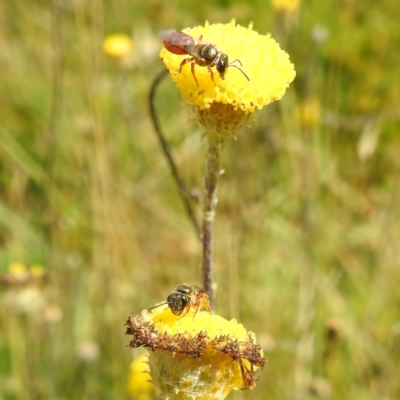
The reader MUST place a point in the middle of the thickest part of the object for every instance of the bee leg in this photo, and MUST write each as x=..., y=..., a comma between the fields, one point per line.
x=197, y=310
x=185, y=311
x=197, y=304
x=194, y=75
x=212, y=74
x=184, y=61
x=206, y=304
x=202, y=301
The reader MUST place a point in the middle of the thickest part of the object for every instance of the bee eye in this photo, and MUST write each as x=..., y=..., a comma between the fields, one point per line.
x=222, y=65
x=177, y=302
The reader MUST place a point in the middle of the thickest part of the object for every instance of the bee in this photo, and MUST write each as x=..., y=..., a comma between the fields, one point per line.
x=184, y=298
x=202, y=53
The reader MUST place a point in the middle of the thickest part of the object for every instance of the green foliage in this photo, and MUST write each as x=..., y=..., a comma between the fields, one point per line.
x=308, y=215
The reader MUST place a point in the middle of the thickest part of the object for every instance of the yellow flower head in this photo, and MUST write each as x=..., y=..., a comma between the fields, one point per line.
x=17, y=270
x=37, y=271
x=259, y=57
x=286, y=5
x=118, y=45
x=308, y=112
x=196, y=355
x=19, y=276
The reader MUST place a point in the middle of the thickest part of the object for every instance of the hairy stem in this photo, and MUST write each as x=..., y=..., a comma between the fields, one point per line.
x=214, y=145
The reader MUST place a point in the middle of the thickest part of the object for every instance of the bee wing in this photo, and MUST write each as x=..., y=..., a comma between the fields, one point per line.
x=178, y=42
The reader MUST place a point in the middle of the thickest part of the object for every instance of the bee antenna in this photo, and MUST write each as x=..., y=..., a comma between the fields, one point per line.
x=158, y=305
x=240, y=69
x=236, y=59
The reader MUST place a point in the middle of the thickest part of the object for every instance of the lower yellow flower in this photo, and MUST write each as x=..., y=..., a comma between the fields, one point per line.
x=139, y=384
x=17, y=270
x=37, y=271
x=197, y=355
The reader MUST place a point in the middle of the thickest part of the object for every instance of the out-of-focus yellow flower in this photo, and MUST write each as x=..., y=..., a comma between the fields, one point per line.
x=25, y=292
x=139, y=384
x=197, y=356
x=286, y=5
x=18, y=275
x=267, y=66
x=37, y=271
x=308, y=112
x=118, y=45
x=17, y=270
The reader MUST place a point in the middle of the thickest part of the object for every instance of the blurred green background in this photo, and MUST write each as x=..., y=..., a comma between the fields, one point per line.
x=308, y=225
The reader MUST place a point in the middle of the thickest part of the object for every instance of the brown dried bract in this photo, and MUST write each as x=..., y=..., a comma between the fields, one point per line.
x=145, y=335
x=239, y=351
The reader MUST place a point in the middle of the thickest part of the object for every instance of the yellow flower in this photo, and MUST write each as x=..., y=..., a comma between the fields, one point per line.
x=308, y=113
x=286, y=5
x=118, y=45
x=197, y=355
x=139, y=384
x=37, y=271
x=267, y=66
x=17, y=270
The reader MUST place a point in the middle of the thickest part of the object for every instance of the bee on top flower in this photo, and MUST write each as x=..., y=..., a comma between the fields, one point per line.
x=256, y=73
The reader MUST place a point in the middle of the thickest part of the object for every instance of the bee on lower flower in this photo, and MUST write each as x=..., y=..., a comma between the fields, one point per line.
x=195, y=358
x=184, y=298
